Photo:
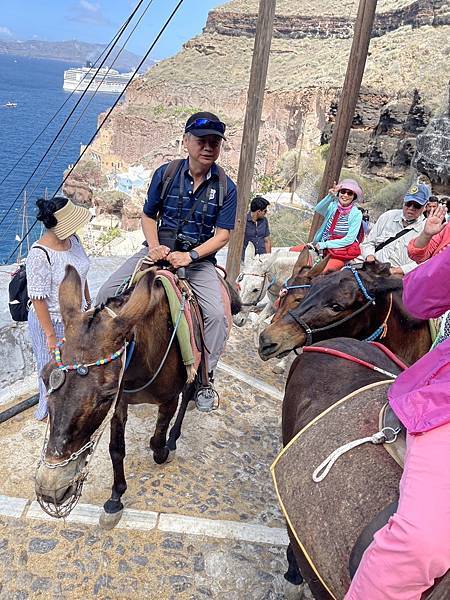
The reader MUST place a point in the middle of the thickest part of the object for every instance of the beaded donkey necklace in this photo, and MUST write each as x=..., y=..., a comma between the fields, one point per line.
x=83, y=368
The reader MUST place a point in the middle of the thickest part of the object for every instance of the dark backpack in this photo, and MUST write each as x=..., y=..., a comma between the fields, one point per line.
x=172, y=170
x=18, y=292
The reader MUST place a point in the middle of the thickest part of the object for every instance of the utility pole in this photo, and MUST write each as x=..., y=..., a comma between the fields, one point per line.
x=255, y=98
x=347, y=102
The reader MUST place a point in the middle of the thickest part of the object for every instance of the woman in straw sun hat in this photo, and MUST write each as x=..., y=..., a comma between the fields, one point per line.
x=46, y=265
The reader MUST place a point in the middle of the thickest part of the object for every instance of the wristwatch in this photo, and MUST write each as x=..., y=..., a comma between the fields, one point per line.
x=194, y=255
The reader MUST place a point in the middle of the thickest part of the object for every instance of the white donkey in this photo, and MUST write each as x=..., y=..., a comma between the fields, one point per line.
x=262, y=276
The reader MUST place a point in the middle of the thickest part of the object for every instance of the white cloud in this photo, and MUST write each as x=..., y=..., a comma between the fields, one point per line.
x=89, y=6
x=5, y=31
x=87, y=12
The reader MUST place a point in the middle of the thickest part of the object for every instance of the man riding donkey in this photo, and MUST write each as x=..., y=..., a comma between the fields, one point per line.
x=413, y=549
x=187, y=217
x=388, y=239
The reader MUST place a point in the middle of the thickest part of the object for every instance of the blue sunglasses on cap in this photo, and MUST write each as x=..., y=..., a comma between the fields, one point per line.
x=207, y=124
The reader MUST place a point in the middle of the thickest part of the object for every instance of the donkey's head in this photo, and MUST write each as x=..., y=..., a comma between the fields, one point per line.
x=253, y=281
x=84, y=380
x=297, y=286
x=330, y=300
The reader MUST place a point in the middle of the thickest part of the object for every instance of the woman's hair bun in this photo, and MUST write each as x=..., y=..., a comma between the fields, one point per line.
x=47, y=209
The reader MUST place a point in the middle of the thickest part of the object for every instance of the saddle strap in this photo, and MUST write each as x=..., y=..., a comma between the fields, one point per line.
x=203, y=371
x=396, y=449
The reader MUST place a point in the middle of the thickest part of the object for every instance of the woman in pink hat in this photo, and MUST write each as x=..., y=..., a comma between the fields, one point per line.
x=341, y=231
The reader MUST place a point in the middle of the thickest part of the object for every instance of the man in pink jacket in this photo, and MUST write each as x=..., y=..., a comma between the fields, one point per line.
x=413, y=549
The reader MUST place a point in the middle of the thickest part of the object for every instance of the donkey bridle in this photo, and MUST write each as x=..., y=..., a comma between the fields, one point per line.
x=263, y=291
x=310, y=332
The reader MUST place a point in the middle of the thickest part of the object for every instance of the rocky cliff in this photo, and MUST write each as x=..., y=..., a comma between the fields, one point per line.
x=404, y=82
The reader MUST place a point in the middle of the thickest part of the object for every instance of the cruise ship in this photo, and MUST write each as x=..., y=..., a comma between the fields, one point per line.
x=106, y=80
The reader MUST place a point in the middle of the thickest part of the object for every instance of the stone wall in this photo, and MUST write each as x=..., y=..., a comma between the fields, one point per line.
x=417, y=14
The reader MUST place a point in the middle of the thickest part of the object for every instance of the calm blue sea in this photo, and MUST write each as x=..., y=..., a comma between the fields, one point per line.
x=36, y=86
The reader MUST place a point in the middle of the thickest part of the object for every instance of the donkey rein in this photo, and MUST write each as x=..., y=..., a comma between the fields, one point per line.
x=161, y=364
x=387, y=435
x=339, y=354
x=310, y=332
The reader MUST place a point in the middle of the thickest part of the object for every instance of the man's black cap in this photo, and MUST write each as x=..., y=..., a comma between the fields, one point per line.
x=205, y=123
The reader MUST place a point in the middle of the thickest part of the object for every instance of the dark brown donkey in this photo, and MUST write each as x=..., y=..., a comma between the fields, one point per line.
x=83, y=400
x=357, y=306
x=307, y=395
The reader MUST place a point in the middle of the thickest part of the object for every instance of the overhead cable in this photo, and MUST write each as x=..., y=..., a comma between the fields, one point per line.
x=168, y=20
x=121, y=31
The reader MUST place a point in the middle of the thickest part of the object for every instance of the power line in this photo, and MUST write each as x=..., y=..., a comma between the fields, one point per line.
x=52, y=118
x=85, y=108
x=121, y=31
x=168, y=20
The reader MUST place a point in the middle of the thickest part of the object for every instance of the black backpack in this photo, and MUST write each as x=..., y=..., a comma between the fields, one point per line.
x=18, y=292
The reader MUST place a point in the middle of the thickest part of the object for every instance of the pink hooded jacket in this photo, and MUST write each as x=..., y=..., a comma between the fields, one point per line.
x=420, y=396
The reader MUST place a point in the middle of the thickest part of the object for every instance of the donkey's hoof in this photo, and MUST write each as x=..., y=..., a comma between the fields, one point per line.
x=160, y=456
x=279, y=369
x=294, y=592
x=109, y=520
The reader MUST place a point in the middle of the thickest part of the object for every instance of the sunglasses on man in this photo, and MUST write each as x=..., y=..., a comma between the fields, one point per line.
x=414, y=205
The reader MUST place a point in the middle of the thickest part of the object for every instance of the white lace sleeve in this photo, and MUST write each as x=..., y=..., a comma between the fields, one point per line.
x=39, y=275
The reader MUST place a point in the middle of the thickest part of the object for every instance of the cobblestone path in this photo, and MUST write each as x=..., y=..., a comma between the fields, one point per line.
x=206, y=525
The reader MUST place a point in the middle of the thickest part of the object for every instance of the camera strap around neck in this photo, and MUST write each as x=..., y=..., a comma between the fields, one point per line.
x=202, y=199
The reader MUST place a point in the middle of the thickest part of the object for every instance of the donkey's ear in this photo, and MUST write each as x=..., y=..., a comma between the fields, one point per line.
x=319, y=267
x=377, y=268
x=302, y=261
x=383, y=284
x=138, y=304
x=250, y=252
x=70, y=296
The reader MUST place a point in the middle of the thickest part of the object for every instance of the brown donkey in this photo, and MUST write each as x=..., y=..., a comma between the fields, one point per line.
x=83, y=398
x=344, y=304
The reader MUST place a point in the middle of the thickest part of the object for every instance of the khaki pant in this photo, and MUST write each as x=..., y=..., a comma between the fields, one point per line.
x=204, y=280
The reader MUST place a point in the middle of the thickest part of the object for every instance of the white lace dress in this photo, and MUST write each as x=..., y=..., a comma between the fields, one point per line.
x=43, y=281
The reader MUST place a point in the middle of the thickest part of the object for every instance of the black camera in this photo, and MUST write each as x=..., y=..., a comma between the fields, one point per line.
x=184, y=243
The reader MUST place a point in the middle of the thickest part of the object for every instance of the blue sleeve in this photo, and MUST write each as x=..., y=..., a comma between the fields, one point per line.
x=227, y=214
x=354, y=225
x=152, y=204
x=323, y=206
x=267, y=233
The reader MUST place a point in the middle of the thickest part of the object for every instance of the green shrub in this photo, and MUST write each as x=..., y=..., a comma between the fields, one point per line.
x=390, y=196
x=289, y=227
x=109, y=235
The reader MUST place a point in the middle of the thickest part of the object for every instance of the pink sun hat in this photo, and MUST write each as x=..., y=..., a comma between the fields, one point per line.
x=353, y=186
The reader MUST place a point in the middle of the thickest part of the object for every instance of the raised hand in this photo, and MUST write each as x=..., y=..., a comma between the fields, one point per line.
x=434, y=224
x=334, y=189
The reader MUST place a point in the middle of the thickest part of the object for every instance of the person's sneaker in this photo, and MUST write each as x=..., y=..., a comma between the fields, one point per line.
x=205, y=399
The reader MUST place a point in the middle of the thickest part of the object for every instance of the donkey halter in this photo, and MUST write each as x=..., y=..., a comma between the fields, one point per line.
x=380, y=332
x=263, y=290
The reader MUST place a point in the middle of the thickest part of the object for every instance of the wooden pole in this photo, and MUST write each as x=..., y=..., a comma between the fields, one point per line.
x=252, y=121
x=347, y=102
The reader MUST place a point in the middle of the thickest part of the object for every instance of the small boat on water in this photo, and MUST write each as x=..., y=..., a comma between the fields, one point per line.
x=10, y=105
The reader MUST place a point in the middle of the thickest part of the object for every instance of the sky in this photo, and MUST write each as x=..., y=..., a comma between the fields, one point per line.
x=97, y=21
